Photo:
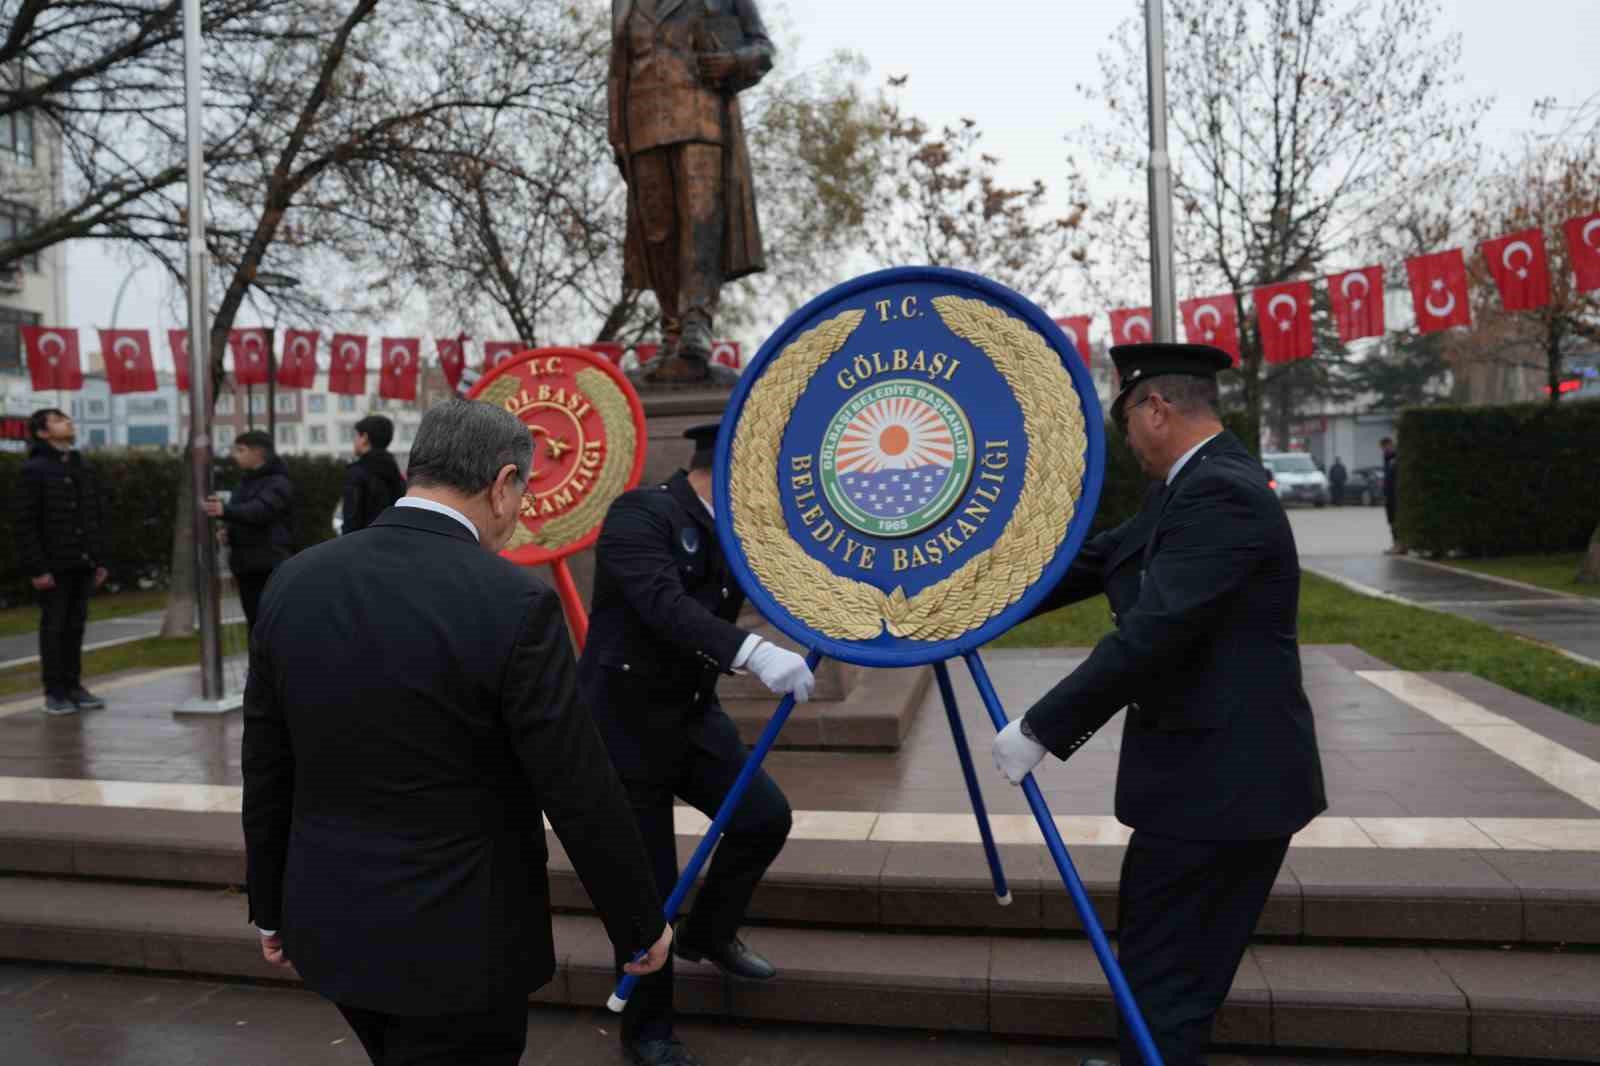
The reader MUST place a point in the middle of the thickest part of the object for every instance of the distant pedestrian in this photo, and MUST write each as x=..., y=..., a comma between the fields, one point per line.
x=373, y=482
x=258, y=519
x=1337, y=476
x=1391, y=492
x=58, y=529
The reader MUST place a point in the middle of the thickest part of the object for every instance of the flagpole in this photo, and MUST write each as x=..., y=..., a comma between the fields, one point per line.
x=1163, y=293
x=213, y=698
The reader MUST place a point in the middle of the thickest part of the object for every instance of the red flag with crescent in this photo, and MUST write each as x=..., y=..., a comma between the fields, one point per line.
x=297, y=368
x=1283, y=314
x=178, y=345
x=1520, y=269
x=451, y=358
x=645, y=352
x=1356, y=297
x=1212, y=320
x=130, y=365
x=53, y=358
x=1132, y=325
x=249, y=348
x=727, y=353
x=347, y=364
x=1076, y=328
x=398, y=379
x=612, y=350
x=497, y=352
x=1439, y=290
x=1583, y=248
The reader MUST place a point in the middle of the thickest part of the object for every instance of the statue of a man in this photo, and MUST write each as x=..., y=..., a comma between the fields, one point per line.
x=676, y=67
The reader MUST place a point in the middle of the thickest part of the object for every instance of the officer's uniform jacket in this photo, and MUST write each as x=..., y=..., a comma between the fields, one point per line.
x=661, y=627
x=1204, y=584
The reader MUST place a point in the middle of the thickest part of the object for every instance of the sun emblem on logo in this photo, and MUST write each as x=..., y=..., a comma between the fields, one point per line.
x=896, y=457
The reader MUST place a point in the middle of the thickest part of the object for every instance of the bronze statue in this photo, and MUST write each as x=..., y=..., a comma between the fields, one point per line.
x=676, y=67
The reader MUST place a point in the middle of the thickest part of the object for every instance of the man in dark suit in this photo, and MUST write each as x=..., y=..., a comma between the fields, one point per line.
x=1219, y=764
x=410, y=714
x=661, y=631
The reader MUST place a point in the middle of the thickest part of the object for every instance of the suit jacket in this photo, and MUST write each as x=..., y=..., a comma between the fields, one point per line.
x=410, y=714
x=661, y=627
x=1204, y=585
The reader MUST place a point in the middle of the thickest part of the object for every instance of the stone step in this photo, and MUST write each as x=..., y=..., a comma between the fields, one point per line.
x=1531, y=1004
x=1323, y=894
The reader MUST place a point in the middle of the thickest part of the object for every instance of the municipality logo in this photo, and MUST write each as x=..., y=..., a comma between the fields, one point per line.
x=896, y=458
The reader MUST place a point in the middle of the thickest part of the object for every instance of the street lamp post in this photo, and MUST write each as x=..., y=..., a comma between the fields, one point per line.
x=1163, y=292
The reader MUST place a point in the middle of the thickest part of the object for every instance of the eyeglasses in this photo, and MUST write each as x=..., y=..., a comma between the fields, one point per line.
x=1122, y=415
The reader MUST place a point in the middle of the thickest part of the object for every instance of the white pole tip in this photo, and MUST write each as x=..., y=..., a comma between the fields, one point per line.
x=1005, y=900
x=615, y=1005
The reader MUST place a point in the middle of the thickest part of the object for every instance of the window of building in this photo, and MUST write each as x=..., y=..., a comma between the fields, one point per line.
x=224, y=435
x=286, y=403
x=319, y=434
x=288, y=436
x=147, y=405
x=347, y=404
x=18, y=220
x=11, y=323
x=96, y=408
x=347, y=432
x=405, y=431
x=258, y=404
x=16, y=135
x=225, y=404
x=97, y=438
x=147, y=436
x=316, y=403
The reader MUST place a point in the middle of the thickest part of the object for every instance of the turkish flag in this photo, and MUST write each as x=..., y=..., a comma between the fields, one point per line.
x=645, y=352
x=1583, y=246
x=1283, y=314
x=726, y=353
x=1212, y=320
x=347, y=366
x=400, y=363
x=130, y=366
x=1077, y=330
x=610, y=349
x=1132, y=325
x=497, y=352
x=1520, y=269
x=53, y=358
x=178, y=343
x=1439, y=290
x=1356, y=297
x=298, y=367
x=249, y=348
x=451, y=358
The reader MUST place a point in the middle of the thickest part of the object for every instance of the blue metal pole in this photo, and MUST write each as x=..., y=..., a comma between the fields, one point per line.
x=1069, y=876
x=1002, y=891
x=719, y=824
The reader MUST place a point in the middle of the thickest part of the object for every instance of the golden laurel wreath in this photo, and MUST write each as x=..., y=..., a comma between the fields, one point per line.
x=621, y=441
x=988, y=583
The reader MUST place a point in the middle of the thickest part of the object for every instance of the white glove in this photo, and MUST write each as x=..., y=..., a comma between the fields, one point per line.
x=1016, y=755
x=781, y=670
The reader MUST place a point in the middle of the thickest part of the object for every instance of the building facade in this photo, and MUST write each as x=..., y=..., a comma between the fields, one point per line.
x=33, y=290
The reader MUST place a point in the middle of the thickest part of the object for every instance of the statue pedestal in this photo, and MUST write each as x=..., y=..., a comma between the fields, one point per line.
x=852, y=707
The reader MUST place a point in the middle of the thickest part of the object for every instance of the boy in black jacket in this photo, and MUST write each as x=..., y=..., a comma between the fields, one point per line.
x=372, y=483
x=58, y=538
x=259, y=518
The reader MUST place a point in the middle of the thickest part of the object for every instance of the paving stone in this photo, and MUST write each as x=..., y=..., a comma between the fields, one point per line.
x=1527, y=1004
x=1049, y=987
x=1560, y=893
x=831, y=882
x=1404, y=894
x=1100, y=869
x=950, y=886
x=698, y=988
x=1389, y=999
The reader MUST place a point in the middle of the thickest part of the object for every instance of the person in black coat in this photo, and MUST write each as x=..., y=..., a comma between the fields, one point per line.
x=259, y=519
x=373, y=482
x=410, y=718
x=1337, y=476
x=1219, y=764
x=1391, y=492
x=661, y=631
x=59, y=544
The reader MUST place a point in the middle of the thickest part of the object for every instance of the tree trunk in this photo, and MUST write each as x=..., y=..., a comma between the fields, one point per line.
x=1589, y=569
x=181, y=595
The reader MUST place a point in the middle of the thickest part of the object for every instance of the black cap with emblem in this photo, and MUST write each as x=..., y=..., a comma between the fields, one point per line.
x=705, y=445
x=1141, y=362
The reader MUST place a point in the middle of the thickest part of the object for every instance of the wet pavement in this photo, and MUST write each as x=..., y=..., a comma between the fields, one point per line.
x=108, y=633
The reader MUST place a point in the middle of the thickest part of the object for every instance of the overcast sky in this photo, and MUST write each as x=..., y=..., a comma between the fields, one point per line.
x=1012, y=65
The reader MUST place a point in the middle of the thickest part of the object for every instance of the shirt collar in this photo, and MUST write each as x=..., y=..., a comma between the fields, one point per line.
x=439, y=508
x=1186, y=456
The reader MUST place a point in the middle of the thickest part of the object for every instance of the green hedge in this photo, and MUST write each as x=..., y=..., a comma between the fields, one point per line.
x=1126, y=484
x=1499, y=480
x=141, y=489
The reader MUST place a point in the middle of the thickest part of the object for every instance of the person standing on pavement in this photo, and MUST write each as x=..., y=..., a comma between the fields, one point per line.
x=1219, y=764
x=1391, y=493
x=1337, y=476
x=394, y=805
x=58, y=527
x=661, y=631
x=258, y=519
x=373, y=482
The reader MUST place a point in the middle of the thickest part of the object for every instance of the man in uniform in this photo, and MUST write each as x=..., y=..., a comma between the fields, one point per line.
x=661, y=630
x=1219, y=764
x=675, y=129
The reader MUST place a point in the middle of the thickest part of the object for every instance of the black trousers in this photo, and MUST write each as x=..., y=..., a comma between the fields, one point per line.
x=754, y=837
x=1187, y=911
x=492, y=1038
x=250, y=586
x=63, y=613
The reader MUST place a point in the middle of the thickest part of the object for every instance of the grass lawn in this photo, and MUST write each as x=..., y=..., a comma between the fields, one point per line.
x=1555, y=572
x=152, y=654
x=16, y=621
x=1408, y=638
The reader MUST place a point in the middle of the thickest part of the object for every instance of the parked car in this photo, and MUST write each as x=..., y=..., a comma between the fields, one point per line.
x=1297, y=478
x=1365, y=486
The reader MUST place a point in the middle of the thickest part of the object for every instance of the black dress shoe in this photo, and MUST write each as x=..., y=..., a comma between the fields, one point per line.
x=1096, y=1062
x=85, y=700
x=732, y=958
x=668, y=1052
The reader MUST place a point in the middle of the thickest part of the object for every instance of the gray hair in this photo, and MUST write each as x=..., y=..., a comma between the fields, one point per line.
x=463, y=444
x=1188, y=394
